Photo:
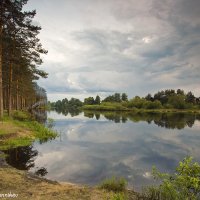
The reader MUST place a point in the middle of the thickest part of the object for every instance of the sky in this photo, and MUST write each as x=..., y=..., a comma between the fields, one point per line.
x=107, y=46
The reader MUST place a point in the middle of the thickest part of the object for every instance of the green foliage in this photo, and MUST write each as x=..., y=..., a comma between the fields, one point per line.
x=152, y=105
x=97, y=100
x=139, y=103
x=118, y=196
x=20, y=115
x=105, y=106
x=66, y=104
x=113, y=98
x=124, y=97
x=22, y=131
x=41, y=132
x=136, y=102
x=149, y=97
x=184, y=184
x=50, y=123
x=190, y=98
x=89, y=101
x=114, y=184
x=15, y=142
x=177, y=101
x=165, y=99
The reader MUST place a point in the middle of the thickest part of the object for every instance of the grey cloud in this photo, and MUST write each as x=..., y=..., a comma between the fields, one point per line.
x=132, y=46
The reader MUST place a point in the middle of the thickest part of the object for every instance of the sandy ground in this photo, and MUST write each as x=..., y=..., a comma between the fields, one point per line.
x=28, y=186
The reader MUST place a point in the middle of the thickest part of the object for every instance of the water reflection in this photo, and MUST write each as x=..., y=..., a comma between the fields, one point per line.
x=166, y=120
x=92, y=147
x=40, y=115
x=23, y=158
x=65, y=112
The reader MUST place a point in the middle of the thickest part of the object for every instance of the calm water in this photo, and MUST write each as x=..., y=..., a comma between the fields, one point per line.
x=94, y=146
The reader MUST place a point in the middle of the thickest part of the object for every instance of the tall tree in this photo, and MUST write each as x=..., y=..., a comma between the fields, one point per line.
x=20, y=51
x=124, y=97
x=97, y=100
x=117, y=97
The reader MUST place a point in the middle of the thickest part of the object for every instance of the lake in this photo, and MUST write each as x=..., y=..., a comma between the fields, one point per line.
x=95, y=146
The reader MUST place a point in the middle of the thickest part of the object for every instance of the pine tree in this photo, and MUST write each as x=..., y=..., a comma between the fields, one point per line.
x=20, y=51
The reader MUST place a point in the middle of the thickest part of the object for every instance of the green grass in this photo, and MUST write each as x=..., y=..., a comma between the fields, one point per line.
x=21, y=116
x=41, y=132
x=105, y=107
x=15, y=142
x=114, y=184
x=119, y=107
x=118, y=196
x=22, y=131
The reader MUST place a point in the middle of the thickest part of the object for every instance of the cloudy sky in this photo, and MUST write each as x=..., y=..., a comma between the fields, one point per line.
x=106, y=46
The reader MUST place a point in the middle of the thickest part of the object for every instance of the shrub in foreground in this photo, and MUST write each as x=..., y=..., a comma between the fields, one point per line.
x=114, y=184
x=184, y=184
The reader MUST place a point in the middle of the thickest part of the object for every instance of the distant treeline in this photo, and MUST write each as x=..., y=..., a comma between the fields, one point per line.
x=167, y=99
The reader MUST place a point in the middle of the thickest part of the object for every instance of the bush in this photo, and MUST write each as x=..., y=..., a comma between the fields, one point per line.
x=153, y=105
x=182, y=185
x=21, y=116
x=114, y=184
x=177, y=101
x=137, y=102
x=168, y=106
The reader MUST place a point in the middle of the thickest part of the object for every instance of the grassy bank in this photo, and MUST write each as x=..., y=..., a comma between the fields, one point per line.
x=120, y=107
x=22, y=130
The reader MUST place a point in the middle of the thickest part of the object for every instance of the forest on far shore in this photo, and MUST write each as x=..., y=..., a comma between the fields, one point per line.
x=165, y=99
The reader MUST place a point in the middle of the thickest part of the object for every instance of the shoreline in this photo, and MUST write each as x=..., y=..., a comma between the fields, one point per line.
x=135, y=111
x=21, y=130
x=29, y=186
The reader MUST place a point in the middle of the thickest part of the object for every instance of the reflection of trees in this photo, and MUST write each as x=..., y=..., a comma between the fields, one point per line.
x=40, y=115
x=124, y=119
x=176, y=121
x=65, y=112
x=166, y=120
x=113, y=116
x=41, y=172
x=89, y=114
x=22, y=158
x=74, y=112
x=44, y=140
x=97, y=115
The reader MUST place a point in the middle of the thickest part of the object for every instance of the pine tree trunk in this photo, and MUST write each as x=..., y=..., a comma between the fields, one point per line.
x=1, y=60
x=10, y=90
x=1, y=63
x=17, y=95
